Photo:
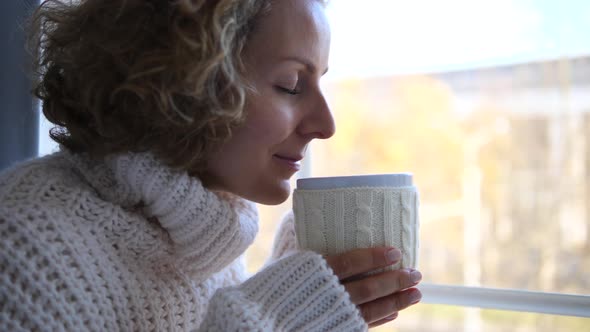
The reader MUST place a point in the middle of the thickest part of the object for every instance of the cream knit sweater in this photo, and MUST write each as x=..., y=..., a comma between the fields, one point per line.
x=126, y=244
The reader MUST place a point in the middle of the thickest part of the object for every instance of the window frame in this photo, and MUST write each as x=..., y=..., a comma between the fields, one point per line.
x=506, y=299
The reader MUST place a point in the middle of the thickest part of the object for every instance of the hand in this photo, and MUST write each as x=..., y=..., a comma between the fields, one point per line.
x=379, y=297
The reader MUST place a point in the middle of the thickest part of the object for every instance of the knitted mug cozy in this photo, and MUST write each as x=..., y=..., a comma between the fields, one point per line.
x=332, y=221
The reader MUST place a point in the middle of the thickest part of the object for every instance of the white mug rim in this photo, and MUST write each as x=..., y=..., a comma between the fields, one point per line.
x=394, y=180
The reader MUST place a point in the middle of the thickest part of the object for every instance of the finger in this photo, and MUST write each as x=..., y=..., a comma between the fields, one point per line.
x=384, y=320
x=377, y=310
x=380, y=285
x=362, y=260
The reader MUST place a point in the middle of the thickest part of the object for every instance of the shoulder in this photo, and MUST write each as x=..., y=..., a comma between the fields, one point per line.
x=45, y=249
x=36, y=197
x=32, y=176
x=38, y=202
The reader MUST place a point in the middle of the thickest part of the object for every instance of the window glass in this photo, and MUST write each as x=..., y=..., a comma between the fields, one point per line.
x=488, y=104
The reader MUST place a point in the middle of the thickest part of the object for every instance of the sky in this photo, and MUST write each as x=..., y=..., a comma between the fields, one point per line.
x=385, y=37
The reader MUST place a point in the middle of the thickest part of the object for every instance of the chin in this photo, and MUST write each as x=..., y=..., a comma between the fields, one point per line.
x=274, y=195
x=274, y=200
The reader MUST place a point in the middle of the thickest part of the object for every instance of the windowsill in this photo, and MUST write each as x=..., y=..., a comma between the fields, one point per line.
x=507, y=299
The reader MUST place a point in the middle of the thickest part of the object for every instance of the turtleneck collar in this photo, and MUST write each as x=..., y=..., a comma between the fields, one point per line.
x=207, y=230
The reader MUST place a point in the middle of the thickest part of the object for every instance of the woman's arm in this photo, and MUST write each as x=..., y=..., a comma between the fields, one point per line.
x=296, y=293
x=306, y=292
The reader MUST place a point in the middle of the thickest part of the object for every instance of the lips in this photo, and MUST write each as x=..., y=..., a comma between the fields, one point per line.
x=289, y=158
x=291, y=162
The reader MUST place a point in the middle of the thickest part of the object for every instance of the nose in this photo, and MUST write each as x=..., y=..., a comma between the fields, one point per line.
x=318, y=121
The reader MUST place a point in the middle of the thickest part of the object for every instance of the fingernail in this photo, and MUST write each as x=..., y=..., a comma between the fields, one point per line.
x=415, y=276
x=393, y=255
x=415, y=296
x=391, y=317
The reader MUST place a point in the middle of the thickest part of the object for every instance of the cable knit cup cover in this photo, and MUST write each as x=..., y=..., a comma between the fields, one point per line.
x=337, y=214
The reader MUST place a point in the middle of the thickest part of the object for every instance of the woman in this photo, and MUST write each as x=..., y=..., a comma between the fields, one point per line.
x=173, y=117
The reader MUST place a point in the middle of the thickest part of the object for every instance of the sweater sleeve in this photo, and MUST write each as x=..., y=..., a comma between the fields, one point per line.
x=285, y=242
x=296, y=293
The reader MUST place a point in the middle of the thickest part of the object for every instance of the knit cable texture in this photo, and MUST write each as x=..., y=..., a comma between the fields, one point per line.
x=333, y=221
x=127, y=244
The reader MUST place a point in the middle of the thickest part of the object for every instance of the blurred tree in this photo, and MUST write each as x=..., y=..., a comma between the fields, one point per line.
x=410, y=127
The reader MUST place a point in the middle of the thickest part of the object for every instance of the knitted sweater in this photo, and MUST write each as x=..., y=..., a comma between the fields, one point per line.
x=126, y=244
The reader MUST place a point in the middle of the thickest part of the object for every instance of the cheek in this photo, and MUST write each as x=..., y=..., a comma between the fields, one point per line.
x=253, y=141
x=268, y=122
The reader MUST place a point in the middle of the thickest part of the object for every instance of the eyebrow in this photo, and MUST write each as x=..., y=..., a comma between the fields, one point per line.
x=308, y=65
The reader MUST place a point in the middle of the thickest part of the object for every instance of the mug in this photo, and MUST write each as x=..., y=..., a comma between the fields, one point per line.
x=337, y=214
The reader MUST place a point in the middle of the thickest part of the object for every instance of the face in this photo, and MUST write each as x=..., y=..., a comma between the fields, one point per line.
x=285, y=58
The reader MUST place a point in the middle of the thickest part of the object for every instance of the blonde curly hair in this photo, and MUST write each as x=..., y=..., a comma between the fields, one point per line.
x=163, y=76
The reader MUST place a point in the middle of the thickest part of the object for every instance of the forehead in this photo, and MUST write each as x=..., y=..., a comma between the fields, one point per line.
x=306, y=14
x=291, y=27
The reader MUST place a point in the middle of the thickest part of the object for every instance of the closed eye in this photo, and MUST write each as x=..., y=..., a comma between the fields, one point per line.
x=287, y=90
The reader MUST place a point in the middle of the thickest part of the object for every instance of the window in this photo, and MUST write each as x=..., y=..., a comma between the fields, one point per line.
x=46, y=144
x=488, y=104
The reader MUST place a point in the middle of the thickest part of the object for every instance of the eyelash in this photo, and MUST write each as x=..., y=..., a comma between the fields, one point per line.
x=293, y=92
